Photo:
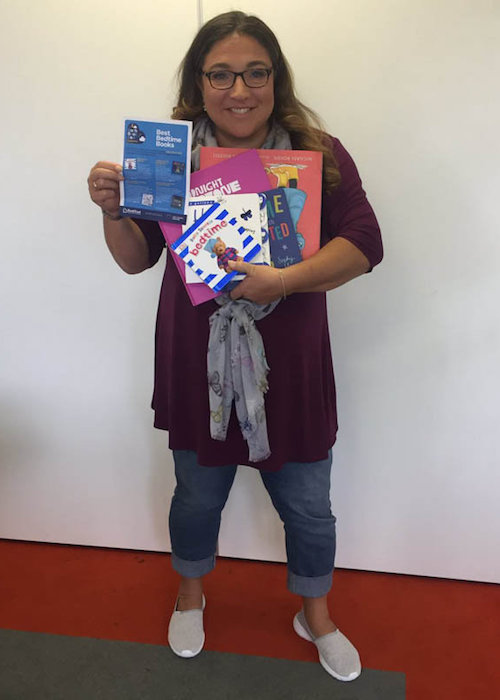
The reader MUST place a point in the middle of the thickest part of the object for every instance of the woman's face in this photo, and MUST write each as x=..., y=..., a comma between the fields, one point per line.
x=240, y=114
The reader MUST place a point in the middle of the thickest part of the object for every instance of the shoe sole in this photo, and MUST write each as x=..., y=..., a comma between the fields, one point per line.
x=187, y=653
x=302, y=632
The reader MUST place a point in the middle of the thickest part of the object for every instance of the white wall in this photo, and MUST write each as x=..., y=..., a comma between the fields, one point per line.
x=80, y=461
x=411, y=90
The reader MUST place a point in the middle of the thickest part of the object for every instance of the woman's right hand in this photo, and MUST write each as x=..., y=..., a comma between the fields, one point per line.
x=104, y=186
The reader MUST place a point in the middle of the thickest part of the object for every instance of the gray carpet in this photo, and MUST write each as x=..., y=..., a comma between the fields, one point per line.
x=53, y=667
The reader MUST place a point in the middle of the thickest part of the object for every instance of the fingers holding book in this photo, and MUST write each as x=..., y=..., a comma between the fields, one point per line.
x=104, y=185
x=262, y=283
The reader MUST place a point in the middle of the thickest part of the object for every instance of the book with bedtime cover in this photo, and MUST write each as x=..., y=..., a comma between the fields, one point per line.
x=287, y=168
x=214, y=239
x=243, y=174
x=283, y=243
x=248, y=211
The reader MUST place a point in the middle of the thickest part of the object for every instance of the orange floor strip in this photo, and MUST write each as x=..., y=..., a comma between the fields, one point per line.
x=444, y=635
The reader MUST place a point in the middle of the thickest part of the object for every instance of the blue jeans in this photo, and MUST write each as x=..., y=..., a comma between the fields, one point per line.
x=300, y=493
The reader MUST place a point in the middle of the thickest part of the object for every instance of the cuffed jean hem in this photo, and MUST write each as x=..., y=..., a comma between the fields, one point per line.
x=309, y=586
x=193, y=569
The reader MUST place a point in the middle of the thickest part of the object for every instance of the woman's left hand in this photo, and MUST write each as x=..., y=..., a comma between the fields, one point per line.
x=262, y=283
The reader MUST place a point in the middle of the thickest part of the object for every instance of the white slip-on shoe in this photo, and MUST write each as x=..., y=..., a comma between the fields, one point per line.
x=337, y=655
x=186, y=635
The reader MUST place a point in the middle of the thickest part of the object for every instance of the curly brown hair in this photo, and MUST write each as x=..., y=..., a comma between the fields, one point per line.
x=303, y=125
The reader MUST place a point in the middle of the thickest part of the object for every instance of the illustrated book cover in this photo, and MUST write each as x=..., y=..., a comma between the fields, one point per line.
x=213, y=240
x=156, y=170
x=301, y=170
x=249, y=212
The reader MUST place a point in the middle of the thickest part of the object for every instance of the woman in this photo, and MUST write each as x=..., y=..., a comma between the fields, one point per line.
x=237, y=89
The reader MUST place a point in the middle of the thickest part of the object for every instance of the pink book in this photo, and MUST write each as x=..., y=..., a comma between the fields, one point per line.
x=241, y=174
x=299, y=169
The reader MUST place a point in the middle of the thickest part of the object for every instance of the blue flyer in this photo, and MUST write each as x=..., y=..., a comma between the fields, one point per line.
x=156, y=170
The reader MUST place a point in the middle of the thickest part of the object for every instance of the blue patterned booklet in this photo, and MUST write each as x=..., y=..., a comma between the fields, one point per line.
x=248, y=212
x=157, y=169
x=215, y=238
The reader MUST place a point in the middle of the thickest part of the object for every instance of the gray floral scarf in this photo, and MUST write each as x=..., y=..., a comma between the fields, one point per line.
x=236, y=360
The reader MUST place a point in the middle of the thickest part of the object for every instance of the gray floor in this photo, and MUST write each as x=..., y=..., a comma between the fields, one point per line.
x=52, y=667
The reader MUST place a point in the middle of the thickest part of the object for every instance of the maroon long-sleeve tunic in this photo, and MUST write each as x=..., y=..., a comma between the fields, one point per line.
x=300, y=404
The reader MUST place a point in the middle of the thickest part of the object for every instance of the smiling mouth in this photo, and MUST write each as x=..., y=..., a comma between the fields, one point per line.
x=239, y=110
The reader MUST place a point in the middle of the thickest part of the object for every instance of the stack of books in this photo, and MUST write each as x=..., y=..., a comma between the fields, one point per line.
x=262, y=207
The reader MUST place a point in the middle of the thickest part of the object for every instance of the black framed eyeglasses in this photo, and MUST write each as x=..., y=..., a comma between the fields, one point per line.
x=225, y=79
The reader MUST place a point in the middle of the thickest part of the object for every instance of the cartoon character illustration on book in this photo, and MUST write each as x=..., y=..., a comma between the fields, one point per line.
x=301, y=241
x=223, y=253
x=134, y=134
x=246, y=214
x=286, y=175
